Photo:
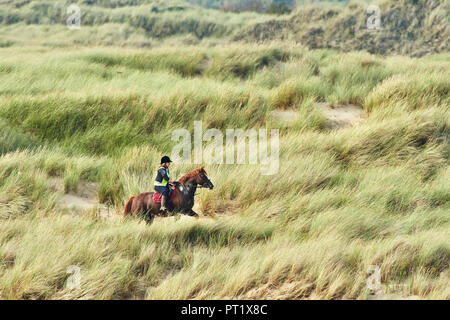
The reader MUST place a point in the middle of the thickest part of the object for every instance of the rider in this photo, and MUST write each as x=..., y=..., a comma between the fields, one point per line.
x=162, y=181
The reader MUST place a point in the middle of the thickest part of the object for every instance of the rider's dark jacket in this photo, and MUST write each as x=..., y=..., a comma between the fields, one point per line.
x=162, y=177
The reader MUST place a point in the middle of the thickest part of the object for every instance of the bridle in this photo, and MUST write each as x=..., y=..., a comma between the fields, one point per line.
x=201, y=185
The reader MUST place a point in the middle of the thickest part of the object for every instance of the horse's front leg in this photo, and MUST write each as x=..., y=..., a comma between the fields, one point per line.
x=192, y=213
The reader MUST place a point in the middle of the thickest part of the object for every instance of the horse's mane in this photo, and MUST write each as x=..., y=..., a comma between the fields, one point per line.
x=191, y=174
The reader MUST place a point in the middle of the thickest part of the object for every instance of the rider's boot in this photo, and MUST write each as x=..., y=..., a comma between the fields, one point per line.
x=163, y=204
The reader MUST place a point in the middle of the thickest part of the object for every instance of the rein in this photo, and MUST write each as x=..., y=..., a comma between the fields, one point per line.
x=198, y=186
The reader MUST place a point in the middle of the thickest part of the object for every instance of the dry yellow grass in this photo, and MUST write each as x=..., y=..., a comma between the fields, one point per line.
x=376, y=193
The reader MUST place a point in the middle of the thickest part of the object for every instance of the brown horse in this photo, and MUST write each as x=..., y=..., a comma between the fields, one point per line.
x=182, y=201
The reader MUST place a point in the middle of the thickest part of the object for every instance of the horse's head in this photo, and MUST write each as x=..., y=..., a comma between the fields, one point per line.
x=203, y=180
x=199, y=177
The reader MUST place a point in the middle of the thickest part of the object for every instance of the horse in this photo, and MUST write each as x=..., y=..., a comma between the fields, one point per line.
x=181, y=202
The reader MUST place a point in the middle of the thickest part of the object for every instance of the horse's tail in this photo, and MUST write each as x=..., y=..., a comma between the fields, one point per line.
x=128, y=206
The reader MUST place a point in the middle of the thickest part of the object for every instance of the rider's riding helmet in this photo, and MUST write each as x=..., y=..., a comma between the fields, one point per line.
x=165, y=159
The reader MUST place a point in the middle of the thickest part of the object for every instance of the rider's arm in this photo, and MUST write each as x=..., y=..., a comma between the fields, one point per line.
x=163, y=173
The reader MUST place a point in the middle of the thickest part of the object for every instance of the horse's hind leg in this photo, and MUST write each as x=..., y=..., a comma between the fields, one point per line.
x=149, y=211
x=148, y=217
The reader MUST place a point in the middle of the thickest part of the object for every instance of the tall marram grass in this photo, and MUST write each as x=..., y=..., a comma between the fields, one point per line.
x=344, y=199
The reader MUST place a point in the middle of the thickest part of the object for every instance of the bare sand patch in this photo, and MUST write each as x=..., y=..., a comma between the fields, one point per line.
x=340, y=116
x=84, y=199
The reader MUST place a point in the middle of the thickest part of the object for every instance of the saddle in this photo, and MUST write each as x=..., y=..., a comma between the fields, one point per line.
x=157, y=196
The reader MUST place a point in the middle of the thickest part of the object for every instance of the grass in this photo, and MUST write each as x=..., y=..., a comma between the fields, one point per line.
x=373, y=194
x=408, y=27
